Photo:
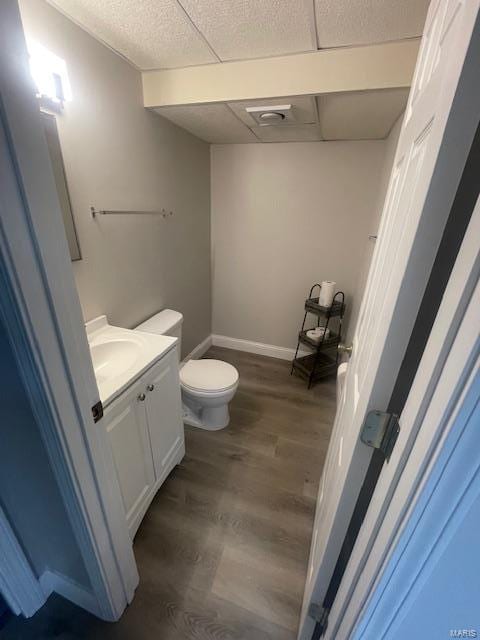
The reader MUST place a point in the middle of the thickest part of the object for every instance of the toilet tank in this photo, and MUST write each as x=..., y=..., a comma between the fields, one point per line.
x=165, y=323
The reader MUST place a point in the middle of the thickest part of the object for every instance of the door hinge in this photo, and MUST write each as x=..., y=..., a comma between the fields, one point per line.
x=380, y=431
x=320, y=615
x=97, y=411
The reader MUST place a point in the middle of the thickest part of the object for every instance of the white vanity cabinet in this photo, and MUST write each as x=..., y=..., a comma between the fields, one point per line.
x=145, y=429
x=163, y=407
x=126, y=425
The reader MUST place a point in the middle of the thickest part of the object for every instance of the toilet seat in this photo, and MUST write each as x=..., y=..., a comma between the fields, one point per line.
x=208, y=376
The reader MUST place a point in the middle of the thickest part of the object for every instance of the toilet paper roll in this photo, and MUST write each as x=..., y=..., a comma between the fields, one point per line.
x=326, y=293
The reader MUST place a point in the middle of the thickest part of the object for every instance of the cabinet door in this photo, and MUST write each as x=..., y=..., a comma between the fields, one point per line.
x=126, y=424
x=164, y=412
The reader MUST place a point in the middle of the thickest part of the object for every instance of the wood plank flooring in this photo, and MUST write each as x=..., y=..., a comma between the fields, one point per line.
x=223, y=550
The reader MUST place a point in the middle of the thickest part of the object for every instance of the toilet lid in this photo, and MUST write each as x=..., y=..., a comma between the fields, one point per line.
x=208, y=375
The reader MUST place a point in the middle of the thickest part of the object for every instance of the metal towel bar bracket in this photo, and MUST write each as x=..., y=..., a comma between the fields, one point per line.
x=103, y=212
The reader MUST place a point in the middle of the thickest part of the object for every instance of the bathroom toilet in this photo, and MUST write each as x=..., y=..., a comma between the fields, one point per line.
x=207, y=385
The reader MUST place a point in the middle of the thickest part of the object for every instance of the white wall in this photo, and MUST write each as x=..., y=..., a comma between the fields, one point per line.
x=283, y=217
x=119, y=156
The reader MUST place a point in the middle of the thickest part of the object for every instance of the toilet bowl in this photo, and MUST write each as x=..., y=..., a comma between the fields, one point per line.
x=207, y=388
x=207, y=385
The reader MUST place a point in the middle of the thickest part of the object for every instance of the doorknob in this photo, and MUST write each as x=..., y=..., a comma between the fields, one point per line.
x=141, y=397
x=347, y=350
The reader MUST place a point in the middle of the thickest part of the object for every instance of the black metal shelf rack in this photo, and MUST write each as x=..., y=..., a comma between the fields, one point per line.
x=323, y=361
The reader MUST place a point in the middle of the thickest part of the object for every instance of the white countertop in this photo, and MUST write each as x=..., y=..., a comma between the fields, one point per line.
x=120, y=356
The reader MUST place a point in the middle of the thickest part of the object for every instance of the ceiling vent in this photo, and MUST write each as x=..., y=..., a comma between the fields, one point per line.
x=272, y=115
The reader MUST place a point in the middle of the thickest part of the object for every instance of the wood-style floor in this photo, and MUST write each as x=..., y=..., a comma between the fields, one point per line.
x=223, y=550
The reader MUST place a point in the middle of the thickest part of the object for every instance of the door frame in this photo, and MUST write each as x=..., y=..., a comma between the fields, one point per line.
x=449, y=492
x=43, y=319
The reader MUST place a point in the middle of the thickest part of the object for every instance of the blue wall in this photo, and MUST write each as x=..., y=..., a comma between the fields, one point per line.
x=29, y=493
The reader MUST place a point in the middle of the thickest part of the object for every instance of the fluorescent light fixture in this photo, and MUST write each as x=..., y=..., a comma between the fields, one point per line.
x=49, y=72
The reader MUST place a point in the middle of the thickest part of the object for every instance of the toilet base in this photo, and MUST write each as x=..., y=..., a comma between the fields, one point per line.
x=208, y=418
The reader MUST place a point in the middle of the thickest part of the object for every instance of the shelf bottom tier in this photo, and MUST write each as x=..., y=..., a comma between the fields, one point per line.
x=325, y=366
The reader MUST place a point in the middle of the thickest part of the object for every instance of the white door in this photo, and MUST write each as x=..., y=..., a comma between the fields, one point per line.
x=431, y=418
x=164, y=412
x=432, y=149
x=126, y=424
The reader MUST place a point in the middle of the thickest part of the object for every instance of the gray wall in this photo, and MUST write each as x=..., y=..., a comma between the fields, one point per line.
x=29, y=493
x=283, y=217
x=119, y=156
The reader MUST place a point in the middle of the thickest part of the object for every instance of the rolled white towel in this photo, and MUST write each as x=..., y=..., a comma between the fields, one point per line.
x=317, y=334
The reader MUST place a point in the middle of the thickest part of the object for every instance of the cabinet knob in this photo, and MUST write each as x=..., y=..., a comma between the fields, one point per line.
x=150, y=387
x=141, y=397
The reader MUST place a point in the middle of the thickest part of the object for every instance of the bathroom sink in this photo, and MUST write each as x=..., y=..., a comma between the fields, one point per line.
x=120, y=356
x=114, y=357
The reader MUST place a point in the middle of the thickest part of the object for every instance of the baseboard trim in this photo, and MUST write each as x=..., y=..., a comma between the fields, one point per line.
x=53, y=582
x=260, y=348
x=199, y=350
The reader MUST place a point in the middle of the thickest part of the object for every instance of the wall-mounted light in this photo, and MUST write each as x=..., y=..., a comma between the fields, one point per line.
x=49, y=73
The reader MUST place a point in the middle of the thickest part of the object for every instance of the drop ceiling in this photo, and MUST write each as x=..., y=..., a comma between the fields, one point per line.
x=166, y=34
x=356, y=115
x=169, y=34
x=343, y=23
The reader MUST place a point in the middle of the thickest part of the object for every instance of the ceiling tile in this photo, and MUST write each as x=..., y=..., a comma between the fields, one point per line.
x=360, y=115
x=290, y=133
x=213, y=123
x=152, y=34
x=239, y=29
x=304, y=108
x=353, y=22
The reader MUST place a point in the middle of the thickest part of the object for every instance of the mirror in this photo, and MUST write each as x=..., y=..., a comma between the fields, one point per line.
x=55, y=151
